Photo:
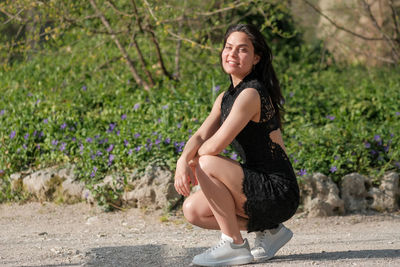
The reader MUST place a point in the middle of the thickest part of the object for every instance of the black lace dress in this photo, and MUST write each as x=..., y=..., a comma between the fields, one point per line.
x=269, y=184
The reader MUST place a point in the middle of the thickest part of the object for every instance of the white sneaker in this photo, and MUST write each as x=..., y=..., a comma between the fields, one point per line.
x=225, y=253
x=267, y=244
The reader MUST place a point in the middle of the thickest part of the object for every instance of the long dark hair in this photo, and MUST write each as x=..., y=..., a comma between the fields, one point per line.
x=263, y=69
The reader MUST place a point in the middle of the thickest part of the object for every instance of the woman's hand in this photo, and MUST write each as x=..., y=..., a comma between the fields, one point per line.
x=184, y=175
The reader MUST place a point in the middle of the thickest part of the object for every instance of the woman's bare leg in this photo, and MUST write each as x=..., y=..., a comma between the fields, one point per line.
x=197, y=211
x=221, y=179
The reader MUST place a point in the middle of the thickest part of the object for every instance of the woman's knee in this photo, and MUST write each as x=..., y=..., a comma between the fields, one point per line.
x=206, y=162
x=189, y=211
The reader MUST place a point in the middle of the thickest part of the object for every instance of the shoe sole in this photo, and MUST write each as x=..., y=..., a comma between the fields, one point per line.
x=286, y=238
x=235, y=261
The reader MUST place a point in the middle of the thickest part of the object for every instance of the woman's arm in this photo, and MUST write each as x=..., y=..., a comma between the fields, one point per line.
x=184, y=165
x=245, y=107
x=206, y=130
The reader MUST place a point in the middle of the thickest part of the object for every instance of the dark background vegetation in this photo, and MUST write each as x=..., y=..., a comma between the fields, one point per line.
x=112, y=86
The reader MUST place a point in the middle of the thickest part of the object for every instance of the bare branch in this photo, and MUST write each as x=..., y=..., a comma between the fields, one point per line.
x=388, y=39
x=11, y=16
x=340, y=27
x=142, y=60
x=116, y=10
x=234, y=5
x=159, y=55
x=120, y=47
x=365, y=53
x=395, y=18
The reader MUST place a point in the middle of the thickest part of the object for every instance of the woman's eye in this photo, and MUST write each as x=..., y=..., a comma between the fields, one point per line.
x=244, y=50
x=228, y=47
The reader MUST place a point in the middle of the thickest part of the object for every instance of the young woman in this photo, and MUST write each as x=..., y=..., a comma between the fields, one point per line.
x=258, y=194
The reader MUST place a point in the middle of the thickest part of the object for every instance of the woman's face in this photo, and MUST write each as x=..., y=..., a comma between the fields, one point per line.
x=238, y=55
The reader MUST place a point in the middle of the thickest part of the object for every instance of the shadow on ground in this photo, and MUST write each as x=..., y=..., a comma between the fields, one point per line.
x=340, y=255
x=145, y=255
x=164, y=255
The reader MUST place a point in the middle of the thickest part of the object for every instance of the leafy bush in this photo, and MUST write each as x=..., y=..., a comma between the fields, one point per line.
x=61, y=108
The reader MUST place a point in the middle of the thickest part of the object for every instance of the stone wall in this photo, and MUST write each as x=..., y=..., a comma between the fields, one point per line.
x=320, y=196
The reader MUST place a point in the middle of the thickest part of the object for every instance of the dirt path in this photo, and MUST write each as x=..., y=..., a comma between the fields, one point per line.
x=77, y=235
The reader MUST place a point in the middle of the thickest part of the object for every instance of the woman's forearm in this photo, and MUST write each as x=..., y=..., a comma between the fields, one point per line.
x=191, y=148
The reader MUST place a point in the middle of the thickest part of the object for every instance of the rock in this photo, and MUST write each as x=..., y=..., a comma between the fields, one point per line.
x=387, y=196
x=320, y=196
x=54, y=184
x=154, y=190
x=354, y=192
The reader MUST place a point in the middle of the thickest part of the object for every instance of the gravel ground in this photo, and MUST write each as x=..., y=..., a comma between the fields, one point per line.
x=47, y=234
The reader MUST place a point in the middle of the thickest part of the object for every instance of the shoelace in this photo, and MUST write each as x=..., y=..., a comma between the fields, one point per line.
x=220, y=244
x=259, y=237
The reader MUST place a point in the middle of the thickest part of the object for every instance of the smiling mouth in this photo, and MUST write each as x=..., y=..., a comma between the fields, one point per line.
x=232, y=63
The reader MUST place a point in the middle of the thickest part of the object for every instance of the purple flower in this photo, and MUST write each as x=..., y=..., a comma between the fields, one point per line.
x=12, y=135
x=155, y=133
x=373, y=152
x=296, y=161
x=41, y=134
x=234, y=156
x=2, y=112
x=216, y=88
x=137, y=135
x=377, y=137
x=397, y=113
x=84, y=88
x=130, y=152
x=24, y=146
x=159, y=120
x=37, y=101
x=81, y=147
x=38, y=146
x=157, y=141
x=149, y=146
x=54, y=142
x=45, y=121
x=97, y=136
x=89, y=140
x=397, y=164
x=34, y=133
x=126, y=143
x=367, y=145
x=26, y=136
x=30, y=94
x=330, y=117
x=190, y=130
x=110, y=148
x=111, y=127
x=167, y=140
x=136, y=106
x=62, y=146
x=386, y=148
x=118, y=132
x=73, y=139
x=165, y=107
x=333, y=169
x=1, y=171
x=224, y=151
x=99, y=153
x=302, y=172
x=123, y=117
x=291, y=94
x=138, y=148
x=336, y=157
x=179, y=125
x=63, y=125
x=110, y=159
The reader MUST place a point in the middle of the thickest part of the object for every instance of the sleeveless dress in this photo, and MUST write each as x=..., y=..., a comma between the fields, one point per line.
x=269, y=183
